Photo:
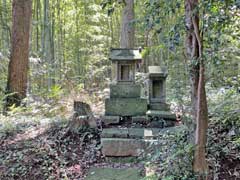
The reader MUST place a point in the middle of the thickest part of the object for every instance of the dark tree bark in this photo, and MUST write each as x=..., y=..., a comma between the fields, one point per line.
x=127, y=26
x=194, y=48
x=18, y=65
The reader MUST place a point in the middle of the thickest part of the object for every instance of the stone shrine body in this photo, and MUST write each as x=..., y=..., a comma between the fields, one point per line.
x=125, y=95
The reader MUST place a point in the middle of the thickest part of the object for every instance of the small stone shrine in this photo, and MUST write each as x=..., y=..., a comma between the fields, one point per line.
x=158, y=109
x=125, y=100
x=132, y=123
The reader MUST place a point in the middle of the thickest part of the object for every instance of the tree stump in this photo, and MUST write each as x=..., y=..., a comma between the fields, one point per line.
x=82, y=117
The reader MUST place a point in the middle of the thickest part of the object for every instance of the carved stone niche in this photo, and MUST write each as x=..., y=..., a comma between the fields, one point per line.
x=157, y=84
x=124, y=64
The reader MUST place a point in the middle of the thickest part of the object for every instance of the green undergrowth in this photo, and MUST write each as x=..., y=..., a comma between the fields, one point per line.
x=224, y=134
x=173, y=159
x=49, y=151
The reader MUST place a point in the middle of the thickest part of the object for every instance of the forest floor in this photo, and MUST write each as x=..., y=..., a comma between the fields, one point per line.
x=33, y=147
x=46, y=149
x=50, y=151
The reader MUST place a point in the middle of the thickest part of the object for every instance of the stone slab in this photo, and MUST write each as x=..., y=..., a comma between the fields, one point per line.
x=125, y=107
x=162, y=114
x=110, y=120
x=138, y=133
x=113, y=174
x=122, y=160
x=122, y=147
x=144, y=133
x=125, y=91
x=159, y=106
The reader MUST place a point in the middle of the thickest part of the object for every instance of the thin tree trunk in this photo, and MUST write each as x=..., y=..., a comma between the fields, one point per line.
x=18, y=65
x=192, y=54
x=6, y=31
x=200, y=164
x=37, y=28
x=199, y=101
x=127, y=26
x=52, y=43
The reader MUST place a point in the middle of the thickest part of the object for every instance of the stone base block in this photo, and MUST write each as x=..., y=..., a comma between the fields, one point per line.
x=120, y=147
x=125, y=107
x=159, y=106
x=99, y=173
x=125, y=91
x=110, y=120
x=138, y=133
x=166, y=115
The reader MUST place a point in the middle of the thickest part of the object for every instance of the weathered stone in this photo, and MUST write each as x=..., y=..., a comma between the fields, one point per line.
x=110, y=120
x=122, y=54
x=157, y=70
x=139, y=119
x=113, y=174
x=122, y=160
x=161, y=114
x=125, y=91
x=122, y=147
x=139, y=133
x=125, y=107
x=114, y=133
x=159, y=106
x=143, y=133
x=157, y=84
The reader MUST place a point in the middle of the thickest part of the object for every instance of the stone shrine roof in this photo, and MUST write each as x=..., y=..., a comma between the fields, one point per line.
x=158, y=71
x=122, y=54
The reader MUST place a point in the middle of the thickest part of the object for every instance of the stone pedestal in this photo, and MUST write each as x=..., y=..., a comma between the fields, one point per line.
x=125, y=91
x=125, y=107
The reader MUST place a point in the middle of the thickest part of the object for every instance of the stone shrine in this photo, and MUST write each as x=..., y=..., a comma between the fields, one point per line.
x=125, y=94
x=159, y=110
x=132, y=123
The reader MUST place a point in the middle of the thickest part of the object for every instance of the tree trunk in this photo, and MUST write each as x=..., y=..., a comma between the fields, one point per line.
x=200, y=164
x=192, y=53
x=194, y=48
x=127, y=26
x=18, y=65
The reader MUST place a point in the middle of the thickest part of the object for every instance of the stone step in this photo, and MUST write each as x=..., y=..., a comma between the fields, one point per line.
x=107, y=173
x=108, y=120
x=134, y=142
x=122, y=147
x=159, y=106
x=136, y=133
x=162, y=114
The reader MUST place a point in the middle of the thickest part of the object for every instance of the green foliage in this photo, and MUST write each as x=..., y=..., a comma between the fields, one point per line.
x=223, y=135
x=173, y=160
x=56, y=92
